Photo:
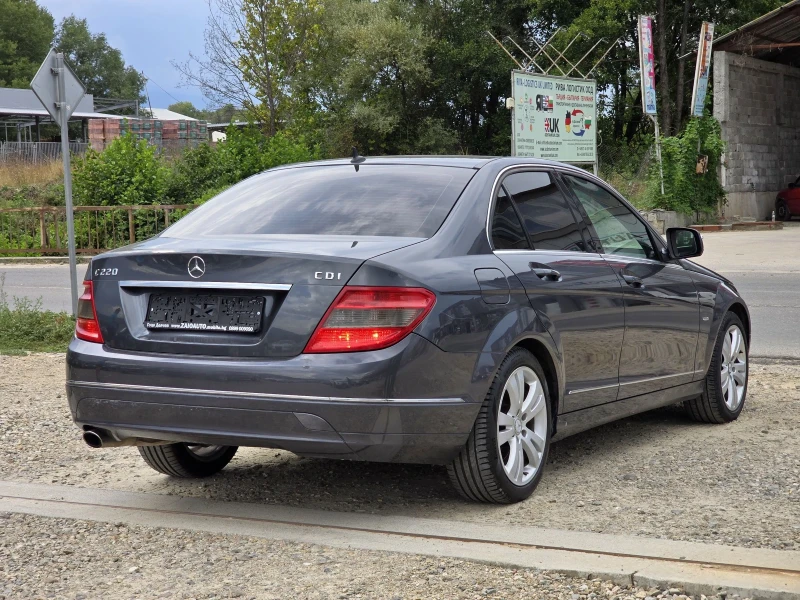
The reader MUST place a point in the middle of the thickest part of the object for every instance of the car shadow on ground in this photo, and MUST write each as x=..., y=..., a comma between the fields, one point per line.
x=279, y=477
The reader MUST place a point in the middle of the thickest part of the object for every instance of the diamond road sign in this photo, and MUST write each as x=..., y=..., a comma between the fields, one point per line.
x=45, y=86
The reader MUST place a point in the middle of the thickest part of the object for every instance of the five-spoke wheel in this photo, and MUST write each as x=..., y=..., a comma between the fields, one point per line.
x=725, y=387
x=507, y=449
x=522, y=426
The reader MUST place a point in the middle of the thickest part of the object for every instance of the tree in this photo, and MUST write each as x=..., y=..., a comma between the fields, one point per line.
x=100, y=67
x=187, y=108
x=254, y=50
x=26, y=30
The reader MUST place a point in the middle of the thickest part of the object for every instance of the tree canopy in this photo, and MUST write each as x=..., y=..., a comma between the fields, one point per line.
x=397, y=76
x=100, y=67
x=26, y=31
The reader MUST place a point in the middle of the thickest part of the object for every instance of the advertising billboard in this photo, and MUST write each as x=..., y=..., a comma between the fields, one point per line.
x=701, y=69
x=647, y=65
x=554, y=117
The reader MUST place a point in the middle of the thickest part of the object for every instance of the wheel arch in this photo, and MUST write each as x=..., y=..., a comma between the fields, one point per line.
x=740, y=311
x=542, y=353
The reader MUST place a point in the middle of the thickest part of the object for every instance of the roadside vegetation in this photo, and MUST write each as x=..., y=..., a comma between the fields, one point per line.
x=317, y=77
x=25, y=327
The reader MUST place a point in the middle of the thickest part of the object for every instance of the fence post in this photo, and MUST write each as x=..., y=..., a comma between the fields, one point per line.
x=42, y=230
x=166, y=217
x=131, y=233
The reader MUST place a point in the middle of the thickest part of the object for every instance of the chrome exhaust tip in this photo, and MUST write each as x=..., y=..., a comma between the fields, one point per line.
x=92, y=439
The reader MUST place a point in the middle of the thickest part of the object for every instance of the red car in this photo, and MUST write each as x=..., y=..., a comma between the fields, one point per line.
x=787, y=203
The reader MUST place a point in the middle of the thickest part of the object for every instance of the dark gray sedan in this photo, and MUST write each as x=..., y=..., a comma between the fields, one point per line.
x=458, y=311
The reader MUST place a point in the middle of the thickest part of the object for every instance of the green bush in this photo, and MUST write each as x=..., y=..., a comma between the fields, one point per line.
x=127, y=172
x=202, y=172
x=684, y=190
x=26, y=327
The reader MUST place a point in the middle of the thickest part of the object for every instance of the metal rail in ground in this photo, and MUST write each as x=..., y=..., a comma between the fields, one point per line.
x=696, y=568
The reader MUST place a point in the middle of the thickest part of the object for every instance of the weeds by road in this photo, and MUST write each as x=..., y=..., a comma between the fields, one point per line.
x=28, y=328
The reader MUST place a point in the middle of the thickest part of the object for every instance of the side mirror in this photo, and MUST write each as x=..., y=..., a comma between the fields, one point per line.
x=684, y=242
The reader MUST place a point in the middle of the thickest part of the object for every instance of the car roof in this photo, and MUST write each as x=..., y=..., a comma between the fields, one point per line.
x=465, y=162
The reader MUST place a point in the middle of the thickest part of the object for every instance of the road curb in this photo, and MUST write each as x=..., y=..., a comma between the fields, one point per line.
x=625, y=560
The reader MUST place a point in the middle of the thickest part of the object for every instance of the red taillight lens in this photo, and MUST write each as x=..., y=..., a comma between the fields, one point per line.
x=370, y=318
x=87, y=328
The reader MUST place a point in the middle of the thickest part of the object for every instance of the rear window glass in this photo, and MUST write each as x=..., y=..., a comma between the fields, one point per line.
x=376, y=200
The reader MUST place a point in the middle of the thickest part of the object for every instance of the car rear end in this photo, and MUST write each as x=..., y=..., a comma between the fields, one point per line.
x=237, y=325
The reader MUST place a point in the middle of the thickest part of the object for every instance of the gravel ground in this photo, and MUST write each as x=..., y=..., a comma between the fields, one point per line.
x=656, y=475
x=60, y=558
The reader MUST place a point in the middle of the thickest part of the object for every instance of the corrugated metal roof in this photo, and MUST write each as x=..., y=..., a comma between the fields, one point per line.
x=164, y=114
x=774, y=36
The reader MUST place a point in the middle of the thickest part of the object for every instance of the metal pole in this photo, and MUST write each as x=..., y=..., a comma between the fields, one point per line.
x=62, y=105
x=658, y=151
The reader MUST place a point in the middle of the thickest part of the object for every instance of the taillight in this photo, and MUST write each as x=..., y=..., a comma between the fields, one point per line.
x=370, y=318
x=87, y=328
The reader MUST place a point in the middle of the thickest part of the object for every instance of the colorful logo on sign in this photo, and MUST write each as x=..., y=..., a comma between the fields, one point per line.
x=577, y=122
x=551, y=125
x=544, y=103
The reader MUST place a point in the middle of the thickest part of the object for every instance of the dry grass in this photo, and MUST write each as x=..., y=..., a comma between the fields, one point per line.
x=20, y=174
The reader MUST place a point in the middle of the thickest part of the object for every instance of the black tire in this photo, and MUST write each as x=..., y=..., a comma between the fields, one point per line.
x=181, y=460
x=782, y=211
x=710, y=406
x=477, y=473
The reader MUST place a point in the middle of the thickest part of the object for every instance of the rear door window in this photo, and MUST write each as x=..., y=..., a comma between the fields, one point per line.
x=376, y=200
x=546, y=213
x=507, y=231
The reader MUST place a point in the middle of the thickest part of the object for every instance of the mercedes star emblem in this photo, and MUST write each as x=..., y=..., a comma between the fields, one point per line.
x=197, y=267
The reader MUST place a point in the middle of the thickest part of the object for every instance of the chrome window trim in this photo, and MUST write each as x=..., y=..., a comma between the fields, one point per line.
x=209, y=285
x=528, y=251
x=526, y=166
x=204, y=392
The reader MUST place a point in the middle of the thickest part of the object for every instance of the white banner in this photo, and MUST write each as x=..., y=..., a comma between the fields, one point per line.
x=702, y=67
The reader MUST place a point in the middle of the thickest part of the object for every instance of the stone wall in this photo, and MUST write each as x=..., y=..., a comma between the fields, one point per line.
x=758, y=106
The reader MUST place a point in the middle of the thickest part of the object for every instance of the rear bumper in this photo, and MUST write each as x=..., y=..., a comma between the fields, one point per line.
x=408, y=403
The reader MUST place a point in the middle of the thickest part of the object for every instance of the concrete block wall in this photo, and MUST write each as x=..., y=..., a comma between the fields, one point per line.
x=758, y=105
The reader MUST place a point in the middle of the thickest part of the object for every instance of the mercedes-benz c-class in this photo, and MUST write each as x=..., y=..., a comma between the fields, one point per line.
x=458, y=311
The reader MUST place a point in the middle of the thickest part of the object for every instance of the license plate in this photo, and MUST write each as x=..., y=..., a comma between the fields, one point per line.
x=205, y=313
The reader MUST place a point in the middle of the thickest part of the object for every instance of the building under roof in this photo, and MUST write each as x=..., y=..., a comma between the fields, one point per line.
x=773, y=37
x=757, y=102
x=20, y=110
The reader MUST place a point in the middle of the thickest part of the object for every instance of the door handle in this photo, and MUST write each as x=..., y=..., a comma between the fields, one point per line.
x=546, y=273
x=633, y=280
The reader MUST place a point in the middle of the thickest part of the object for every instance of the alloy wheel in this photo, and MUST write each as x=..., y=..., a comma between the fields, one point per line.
x=733, y=370
x=206, y=453
x=522, y=426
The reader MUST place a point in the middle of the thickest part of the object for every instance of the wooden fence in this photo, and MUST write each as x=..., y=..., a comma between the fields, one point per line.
x=43, y=230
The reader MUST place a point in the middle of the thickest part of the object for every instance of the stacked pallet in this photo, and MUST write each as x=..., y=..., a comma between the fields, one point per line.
x=153, y=131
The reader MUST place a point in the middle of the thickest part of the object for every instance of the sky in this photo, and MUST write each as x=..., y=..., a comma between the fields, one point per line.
x=150, y=34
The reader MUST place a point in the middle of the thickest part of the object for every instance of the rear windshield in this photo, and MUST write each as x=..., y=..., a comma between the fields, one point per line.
x=376, y=200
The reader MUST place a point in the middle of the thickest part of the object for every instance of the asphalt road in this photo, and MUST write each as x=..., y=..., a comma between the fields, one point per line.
x=764, y=266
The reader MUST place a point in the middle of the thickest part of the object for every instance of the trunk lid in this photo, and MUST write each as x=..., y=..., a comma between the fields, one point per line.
x=260, y=295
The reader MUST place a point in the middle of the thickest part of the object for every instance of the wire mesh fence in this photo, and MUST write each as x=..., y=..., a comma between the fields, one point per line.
x=37, y=152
